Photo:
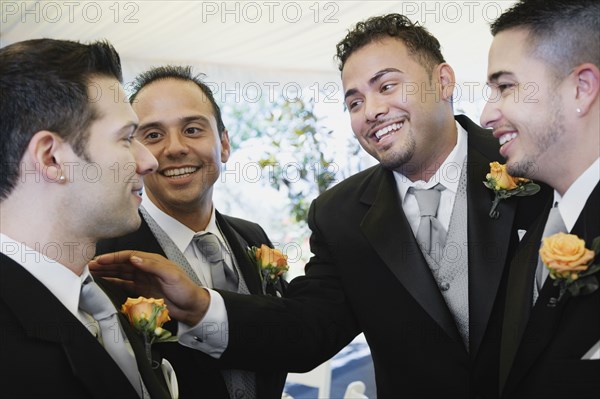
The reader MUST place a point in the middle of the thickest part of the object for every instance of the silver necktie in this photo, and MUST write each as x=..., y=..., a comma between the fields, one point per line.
x=431, y=235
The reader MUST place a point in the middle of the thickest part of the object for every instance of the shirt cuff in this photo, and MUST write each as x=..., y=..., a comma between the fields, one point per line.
x=211, y=334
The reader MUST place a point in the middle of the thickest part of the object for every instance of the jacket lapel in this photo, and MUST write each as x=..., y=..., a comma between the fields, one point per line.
x=239, y=246
x=519, y=295
x=488, y=241
x=387, y=230
x=152, y=381
x=90, y=363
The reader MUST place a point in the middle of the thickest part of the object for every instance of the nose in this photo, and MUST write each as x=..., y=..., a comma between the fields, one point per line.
x=144, y=160
x=491, y=114
x=375, y=107
x=174, y=145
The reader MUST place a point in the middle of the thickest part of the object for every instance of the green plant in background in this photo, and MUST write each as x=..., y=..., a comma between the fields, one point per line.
x=294, y=155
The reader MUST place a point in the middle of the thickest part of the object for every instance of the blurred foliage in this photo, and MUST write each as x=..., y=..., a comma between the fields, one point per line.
x=294, y=147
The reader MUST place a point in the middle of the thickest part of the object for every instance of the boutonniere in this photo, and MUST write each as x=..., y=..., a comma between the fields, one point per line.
x=505, y=186
x=271, y=263
x=146, y=316
x=570, y=264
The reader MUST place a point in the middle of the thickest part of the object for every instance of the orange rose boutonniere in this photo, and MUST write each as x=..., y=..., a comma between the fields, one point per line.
x=505, y=186
x=146, y=316
x=271, y=263
x=570, y=263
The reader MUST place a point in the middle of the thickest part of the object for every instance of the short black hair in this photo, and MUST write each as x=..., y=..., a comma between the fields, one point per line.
x=44, y=86
x=563, y=33
x=417, y=39
x=183, y=73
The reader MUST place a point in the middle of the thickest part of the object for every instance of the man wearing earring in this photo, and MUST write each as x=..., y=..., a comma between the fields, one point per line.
x=71, y=175
x=544, y=72
x=181, y=124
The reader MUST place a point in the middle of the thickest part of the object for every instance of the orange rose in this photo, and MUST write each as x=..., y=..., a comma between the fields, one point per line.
x=501, y=179
x=565, y=255
x=270, y=257
x=146, y=313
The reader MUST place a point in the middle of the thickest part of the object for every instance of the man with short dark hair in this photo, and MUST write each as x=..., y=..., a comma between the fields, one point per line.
x=544, y=73
x=68, y=155
x=181, y=124
x=405, y=251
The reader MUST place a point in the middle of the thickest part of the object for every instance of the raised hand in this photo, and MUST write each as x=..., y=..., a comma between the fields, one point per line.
x=153, y=275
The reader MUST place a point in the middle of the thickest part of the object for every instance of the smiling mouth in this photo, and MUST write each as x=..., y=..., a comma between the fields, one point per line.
x=507, y=138
x=179, y=173
x=388, y=130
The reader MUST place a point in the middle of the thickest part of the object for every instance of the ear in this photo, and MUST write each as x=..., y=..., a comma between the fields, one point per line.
x=587, y=86
x=446, y=79
x=44, y=152
x=225, y=146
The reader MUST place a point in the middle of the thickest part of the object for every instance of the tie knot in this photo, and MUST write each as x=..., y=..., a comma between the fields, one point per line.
x=209, y=246
x=428, y=199
x=94, y=301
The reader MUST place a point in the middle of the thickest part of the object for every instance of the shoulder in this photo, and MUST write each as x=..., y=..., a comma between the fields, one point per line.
x=354, y=186
x=480, y=139
x=251, y=232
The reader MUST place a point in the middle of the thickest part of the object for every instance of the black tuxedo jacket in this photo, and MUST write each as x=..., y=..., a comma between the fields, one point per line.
x=199, y=375
x=46, y=352
x=368, y=274
x=548, y=342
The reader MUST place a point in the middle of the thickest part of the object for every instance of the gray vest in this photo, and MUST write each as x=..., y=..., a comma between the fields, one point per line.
x=450, y=264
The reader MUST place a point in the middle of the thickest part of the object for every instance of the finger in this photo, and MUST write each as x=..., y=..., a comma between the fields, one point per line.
x=128, y=275
x=115, y=257
x=115, y=268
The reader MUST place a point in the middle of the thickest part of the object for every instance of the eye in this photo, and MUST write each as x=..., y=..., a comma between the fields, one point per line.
x=192, y=130
x=386, y=87
x=150, y=136
x=354, y=104
x=505, y=86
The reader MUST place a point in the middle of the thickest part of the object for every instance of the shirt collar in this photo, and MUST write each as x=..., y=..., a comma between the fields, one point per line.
x=571, y=204
x=180, y=234
x=447, y=174
x=60, y=280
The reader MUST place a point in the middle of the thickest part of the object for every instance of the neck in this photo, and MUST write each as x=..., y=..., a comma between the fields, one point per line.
x=193, y=216
x=38, y=228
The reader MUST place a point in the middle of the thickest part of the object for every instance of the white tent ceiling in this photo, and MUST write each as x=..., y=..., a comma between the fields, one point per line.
x=248, y=41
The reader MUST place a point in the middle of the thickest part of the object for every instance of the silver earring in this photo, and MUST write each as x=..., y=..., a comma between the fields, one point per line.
x=578, y=110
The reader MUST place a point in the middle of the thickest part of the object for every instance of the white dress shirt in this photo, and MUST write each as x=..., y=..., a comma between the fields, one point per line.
x=571, y=204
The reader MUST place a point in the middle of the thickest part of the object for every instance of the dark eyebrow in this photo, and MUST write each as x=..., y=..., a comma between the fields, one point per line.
x=496, y=75
x=185, y=119
x=378, y=75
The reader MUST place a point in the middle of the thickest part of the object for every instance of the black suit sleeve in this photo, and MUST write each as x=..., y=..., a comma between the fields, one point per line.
x=307, y=327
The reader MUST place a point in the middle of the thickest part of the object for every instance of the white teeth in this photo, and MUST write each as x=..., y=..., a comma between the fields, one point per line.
x=507, y=137
x=382, y=132
x=179, y=171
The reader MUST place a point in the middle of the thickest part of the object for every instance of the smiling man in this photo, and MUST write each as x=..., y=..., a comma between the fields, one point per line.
x=180, y=123
x=71, y=175
x=544, y=71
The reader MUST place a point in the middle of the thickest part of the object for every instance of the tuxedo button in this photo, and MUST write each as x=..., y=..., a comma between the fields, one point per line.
x=445, y=286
